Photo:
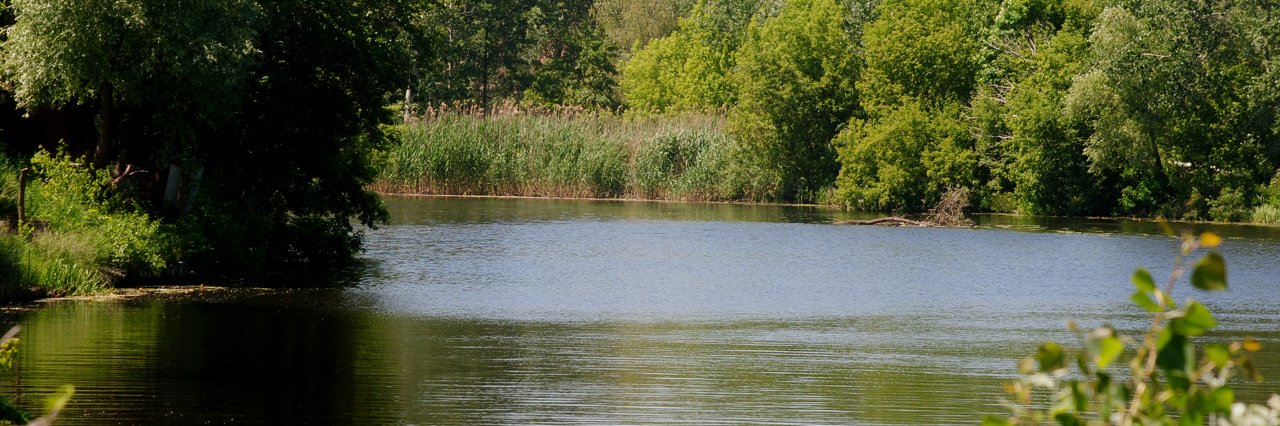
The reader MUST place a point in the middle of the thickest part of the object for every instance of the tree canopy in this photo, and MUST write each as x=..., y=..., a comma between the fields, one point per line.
x=266, y=112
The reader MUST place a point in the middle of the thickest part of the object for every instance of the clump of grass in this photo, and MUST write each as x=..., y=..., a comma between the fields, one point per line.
x=522, y=155
x=47, y=264
x=562, y=154
x=1267, y=213
x=685, y=164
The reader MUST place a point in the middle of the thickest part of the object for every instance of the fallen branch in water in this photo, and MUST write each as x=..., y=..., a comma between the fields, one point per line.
x=885, y=221
x=948, y=213
x=950, y=209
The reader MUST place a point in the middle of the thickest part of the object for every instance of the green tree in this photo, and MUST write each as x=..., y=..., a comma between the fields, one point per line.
x=796, y=73
x=926, y=49
x=481, y=50
x=689, y=69
x=1166, y=97
x=285, y=183
x=632, y=24
x=547, y=52
x=1050, y=171
x=273, y=109
x=904, y=159
x=921, y=66
x=160, y=72
x=1030, y=157
x=572, y=57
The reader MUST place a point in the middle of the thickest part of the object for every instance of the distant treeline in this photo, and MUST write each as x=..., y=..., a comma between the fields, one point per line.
x=1068, y=107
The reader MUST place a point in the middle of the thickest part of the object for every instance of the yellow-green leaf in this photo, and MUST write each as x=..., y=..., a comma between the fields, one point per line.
x=1109, y=349
x=1195, y=320
x=1145, y=302
x=1051, y=357
x=1218, y=355
x=1143, y=281
x=1223, y=398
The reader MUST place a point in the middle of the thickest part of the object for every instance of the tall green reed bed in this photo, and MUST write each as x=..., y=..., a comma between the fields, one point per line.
x=564, y=155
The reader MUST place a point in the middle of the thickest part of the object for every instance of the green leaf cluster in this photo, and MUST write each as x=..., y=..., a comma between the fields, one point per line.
x=1169, y=381
x=904, y=159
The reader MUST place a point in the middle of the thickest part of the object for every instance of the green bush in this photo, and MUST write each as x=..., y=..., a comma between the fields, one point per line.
x=88, y=236
x=903, y=161
x=795, y=73
x=1271, y=193
x=1230, y=206
x=75, y=199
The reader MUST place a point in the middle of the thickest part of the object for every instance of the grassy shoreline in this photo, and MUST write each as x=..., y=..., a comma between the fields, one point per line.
x=615, y=199
x=87, y=240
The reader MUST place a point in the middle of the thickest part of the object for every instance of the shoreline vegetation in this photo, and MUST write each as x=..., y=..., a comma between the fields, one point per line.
x=567, y=154
x=570, y=154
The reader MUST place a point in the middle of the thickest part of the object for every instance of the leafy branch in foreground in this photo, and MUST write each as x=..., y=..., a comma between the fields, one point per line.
x=1168, y=381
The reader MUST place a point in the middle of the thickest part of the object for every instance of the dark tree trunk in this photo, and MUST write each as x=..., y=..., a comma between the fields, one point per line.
x=103, y=153
x=1162, y=178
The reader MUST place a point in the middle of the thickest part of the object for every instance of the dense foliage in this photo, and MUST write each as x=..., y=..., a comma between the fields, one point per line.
x=1135, y=107
x=1066, y=107
x=544, y=52
x=795, y=76
x=688, y=70
x=247, y=127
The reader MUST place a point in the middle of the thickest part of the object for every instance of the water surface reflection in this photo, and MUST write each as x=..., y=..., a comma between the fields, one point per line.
x=528, y=311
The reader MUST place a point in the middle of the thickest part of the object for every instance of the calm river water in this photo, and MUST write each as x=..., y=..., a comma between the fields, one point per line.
x=533, y=311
